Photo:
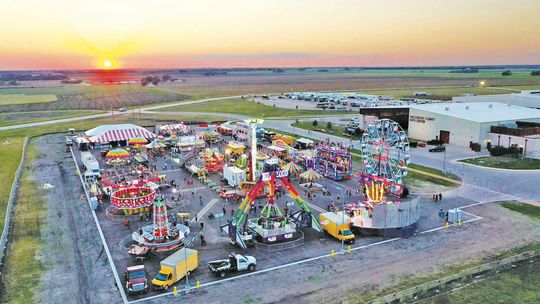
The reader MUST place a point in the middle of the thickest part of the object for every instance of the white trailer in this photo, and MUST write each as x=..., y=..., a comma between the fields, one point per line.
x=90, y=164
x=234, y=175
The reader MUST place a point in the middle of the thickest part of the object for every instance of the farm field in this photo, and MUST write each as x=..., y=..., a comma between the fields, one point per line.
x=11, y=99
x=249, y=108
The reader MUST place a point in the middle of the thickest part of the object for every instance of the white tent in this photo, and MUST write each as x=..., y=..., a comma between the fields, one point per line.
x=108, y=133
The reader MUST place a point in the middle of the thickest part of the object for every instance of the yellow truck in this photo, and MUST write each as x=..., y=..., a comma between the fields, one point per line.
x=337, y=225
x=175, y=267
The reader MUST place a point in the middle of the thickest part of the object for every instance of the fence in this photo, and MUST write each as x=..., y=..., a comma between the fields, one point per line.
x=281, y=246
x=456, y=280
x=11, y=202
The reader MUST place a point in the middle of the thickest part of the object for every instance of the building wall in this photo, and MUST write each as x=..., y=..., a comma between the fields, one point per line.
x=426, y=125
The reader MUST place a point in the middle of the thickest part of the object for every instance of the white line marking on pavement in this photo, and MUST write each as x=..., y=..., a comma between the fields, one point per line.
x=205, y=209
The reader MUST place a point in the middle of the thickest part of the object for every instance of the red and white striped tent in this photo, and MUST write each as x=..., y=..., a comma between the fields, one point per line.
x=108, y=133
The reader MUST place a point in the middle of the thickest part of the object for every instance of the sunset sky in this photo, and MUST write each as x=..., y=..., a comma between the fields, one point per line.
x=47, y=34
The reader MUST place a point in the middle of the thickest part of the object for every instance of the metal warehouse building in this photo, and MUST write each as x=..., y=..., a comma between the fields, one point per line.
x=462, y=123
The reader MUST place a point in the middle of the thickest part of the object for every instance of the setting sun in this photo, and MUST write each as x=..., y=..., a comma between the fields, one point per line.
x=107, y=64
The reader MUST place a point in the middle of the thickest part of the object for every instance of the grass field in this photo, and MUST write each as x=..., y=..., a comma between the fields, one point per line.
x=322, y=127
x=504, y=162
x=28, y=117
x=411, y=281
x=518, y=285
x=526, y=209
x=23, y=268
x=9, y=99
x=248, y=108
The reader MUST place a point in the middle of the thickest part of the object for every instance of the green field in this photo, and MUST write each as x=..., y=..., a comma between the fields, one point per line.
x=28, y=117
x=504, y=162
x=322, y=127
x=411, y=281
x=518, y=285
x=23, y=268
x=526, y=209
x=12, y=99
x=248, y=108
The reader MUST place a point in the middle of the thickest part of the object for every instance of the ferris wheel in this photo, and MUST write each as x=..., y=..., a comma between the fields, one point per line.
x=385, y=151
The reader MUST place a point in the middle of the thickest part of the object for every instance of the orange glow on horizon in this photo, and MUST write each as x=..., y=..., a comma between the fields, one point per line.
x=79, y=34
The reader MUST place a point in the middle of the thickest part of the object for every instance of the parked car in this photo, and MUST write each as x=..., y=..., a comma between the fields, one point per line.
x=421, y=143
x=122, y=110
x=438, y=149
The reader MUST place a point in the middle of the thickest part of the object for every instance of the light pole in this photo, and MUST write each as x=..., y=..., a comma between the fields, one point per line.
x=342, y=218
x=444, y=161
x=185, y=263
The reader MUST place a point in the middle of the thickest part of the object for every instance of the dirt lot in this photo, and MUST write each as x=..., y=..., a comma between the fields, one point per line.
x=76, y=266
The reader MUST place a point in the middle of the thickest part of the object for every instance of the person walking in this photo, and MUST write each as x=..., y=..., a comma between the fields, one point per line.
x=224, y=210
x=200, y=200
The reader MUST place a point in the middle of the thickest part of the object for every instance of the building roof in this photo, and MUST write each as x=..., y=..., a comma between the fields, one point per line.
x=524, y=99
x=481, y=111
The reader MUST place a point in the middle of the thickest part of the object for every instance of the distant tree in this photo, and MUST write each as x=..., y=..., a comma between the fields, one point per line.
x=329, y=125
x=166, y=78
x=315, y=123
x=506, y=73
x=155, y=80
x=535, y=73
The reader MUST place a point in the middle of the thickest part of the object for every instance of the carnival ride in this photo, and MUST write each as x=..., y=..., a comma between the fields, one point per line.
x=385, y=156
x=333, y=162
x=209, y=136
x=213, y=160
x=161, y=235
x=272, y=225
x=131, y=200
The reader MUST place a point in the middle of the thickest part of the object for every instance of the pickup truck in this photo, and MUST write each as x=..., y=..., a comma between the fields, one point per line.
x=235, y=263
x=136, y=281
